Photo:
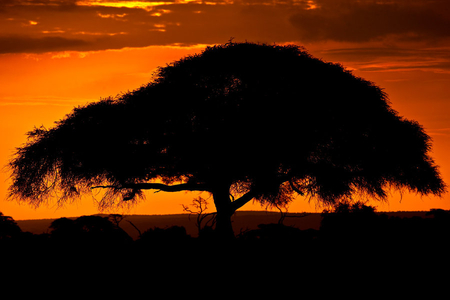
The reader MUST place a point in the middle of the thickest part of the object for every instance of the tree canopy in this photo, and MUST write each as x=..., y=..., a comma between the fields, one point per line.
x=242, y=121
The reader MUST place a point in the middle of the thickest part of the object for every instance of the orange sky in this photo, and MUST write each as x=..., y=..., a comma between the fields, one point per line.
x=56, y=54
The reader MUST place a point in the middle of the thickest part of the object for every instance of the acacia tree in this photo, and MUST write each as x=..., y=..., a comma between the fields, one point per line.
x=241, y=121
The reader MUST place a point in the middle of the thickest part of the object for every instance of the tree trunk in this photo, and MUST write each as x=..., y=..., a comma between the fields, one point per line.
x=224, y=209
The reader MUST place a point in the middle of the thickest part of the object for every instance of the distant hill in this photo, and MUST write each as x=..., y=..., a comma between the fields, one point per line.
x=242, y=220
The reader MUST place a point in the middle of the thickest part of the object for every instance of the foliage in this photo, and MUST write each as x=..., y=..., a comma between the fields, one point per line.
x=347, y=233
x=262, y=122
x=88, y=230
x=350, y=221
x=8, y=228
x=164, y=237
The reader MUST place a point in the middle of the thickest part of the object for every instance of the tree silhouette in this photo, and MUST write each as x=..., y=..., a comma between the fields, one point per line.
x=203, y=220
x=240, y=121
x=8, y=228
x=88, y=230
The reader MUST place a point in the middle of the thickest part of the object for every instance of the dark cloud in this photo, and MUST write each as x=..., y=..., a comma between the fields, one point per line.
x=6, y=5
x=64, y=25
x=25, y=44
x=200, y=23
x=390, y=59
x=379, y=53
x=181, y=23
x=361, y=21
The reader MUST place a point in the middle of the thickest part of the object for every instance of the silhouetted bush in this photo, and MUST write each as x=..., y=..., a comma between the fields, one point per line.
x=358, y=225
x=274, y=232
x=88, y=230
x=347, y=223
x=16, y=243
x=12, y=238
x=351, y=233
x=441, y=223
x=163, y=237
x=431, y=233
x=8, y=228
x=275, y=240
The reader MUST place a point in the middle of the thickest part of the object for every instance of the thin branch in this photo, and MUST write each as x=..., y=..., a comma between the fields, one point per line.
x=295, y=188
x=282, y=215
x=135, y=227
x=238, y=203
x=201, y=205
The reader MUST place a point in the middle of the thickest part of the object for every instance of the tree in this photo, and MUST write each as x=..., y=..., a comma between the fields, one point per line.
x=199, y=206
x=240, y=121
x=8, y=228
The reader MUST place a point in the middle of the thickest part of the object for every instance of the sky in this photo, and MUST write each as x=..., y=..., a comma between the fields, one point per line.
x=58, y=54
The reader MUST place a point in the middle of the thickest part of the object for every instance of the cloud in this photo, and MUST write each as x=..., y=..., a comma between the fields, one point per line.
x=440, y=132
x=121, y=24
x=392, y=58
x=26, y=44
x=116, y=24
x=364, y=20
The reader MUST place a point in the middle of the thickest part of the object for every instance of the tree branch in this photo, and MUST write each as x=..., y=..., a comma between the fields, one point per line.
x=238, y=203
x=252, y=193
x=295, y=188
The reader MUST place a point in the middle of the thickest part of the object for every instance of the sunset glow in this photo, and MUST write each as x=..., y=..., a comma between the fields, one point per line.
x=127, y=4
x=56, y=55
x=148, y=5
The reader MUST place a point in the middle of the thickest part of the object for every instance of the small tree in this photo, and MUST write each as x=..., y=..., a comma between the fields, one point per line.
x=203, y=220
x=8, y=228
x=240, y=121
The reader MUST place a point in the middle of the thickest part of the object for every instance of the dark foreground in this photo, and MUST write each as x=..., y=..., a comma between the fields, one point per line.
x=352, y=247
x=359, y=231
